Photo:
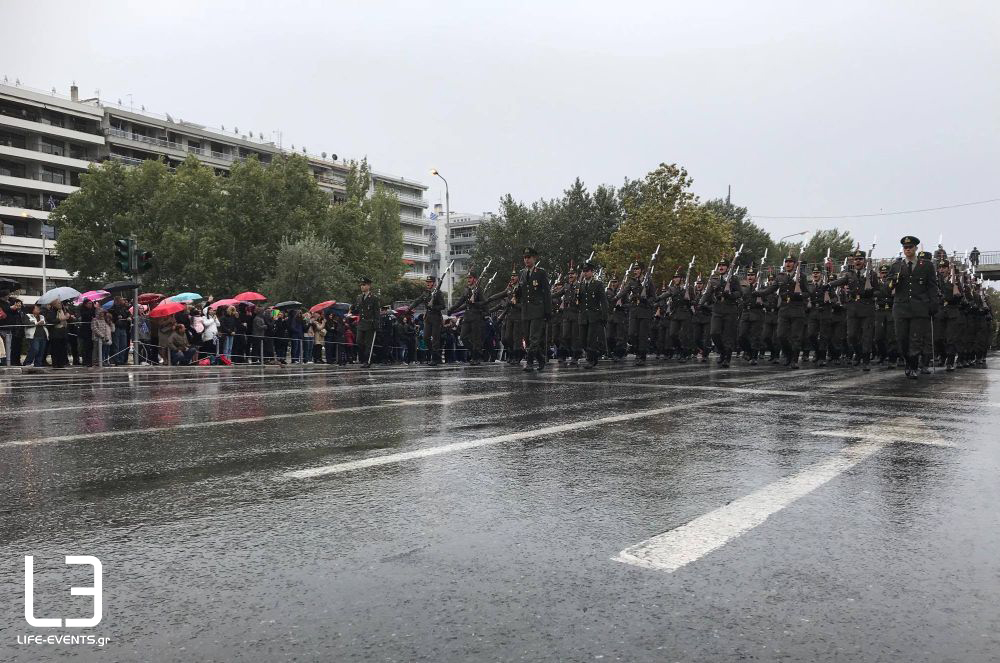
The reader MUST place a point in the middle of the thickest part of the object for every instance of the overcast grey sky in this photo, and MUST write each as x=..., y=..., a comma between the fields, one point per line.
x=804, y=108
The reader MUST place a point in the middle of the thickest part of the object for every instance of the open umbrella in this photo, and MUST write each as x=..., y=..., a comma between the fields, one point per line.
x=108, y=304
x=340, y=309
x=223, y=302
x=9, y=284
x=185, y=297
x=119, y=286
x=91, y=296
x=250, y=297
x=165, y=308
x=288, y=304
x=322, y=306
x=150, y=298
x=63, y=293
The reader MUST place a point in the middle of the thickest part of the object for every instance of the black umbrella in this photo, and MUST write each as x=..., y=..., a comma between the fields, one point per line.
x=119, y=286
x=287, y=305
x=9, y=284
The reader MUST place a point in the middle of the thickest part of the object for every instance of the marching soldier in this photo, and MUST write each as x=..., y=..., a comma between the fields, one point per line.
x=949, y=321
x=701, y=322
x=476, y=306
x=885, y=328
x=769, y=331
x=640, y=297
x=677, y=300
x=790, y=287
x=511, y=333
x=820, y=316
x=617, y=323
x=860, y=286
x=913, y=284
x=592, y=303
x=533, y=292
x=570, y=322
x=723, y=293
x=367, y=308
x=433, y=298
x=751, y=319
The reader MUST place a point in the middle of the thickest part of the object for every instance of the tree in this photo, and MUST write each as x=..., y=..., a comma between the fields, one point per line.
x=840, y=244
x=662, y=211
x=310, y=271
x=754, y=239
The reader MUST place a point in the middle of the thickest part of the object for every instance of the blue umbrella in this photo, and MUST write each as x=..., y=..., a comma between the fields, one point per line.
x=185, y=297
x=108, y=304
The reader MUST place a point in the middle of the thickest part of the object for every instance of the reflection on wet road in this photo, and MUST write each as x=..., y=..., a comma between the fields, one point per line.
x=462, y=513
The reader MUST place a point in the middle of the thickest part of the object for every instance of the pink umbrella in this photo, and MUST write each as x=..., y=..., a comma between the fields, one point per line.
x=323, y=305
x=92, y=296
x=223, y=302
x=250, y=297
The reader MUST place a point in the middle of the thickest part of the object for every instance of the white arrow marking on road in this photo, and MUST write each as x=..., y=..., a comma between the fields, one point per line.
x=689, y=542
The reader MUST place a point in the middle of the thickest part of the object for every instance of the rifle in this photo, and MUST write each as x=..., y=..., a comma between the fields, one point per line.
x=621, y=288
x=871, y=257
x=760, y=272
x=487, y=287
x=652, y=265
x=826, y=272
x=687, y=277
x=437, y=286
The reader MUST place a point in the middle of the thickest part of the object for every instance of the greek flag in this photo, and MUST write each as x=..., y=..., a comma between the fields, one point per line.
x=434, y=216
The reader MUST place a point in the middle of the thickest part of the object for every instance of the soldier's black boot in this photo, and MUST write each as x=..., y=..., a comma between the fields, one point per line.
x=864, y=364
x=542, y=360
x=529, y=362
x=949, y=364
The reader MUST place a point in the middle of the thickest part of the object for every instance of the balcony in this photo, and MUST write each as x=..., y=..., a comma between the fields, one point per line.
x=49, y=130
x=416, y=238
x=54, y=159
x=8, y=209
x=35, y=184
x=416, y=257
x=405, y=199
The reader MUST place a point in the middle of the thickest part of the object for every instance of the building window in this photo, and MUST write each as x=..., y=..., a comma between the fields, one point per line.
x=53, y=147
x=12, y=199
x=53, y=175
x=8, y=139
x=11, y=169
x=79, y=152
x=48, y=232
x=52, y=119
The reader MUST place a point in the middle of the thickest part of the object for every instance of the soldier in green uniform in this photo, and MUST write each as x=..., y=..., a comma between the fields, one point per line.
x=475, y=303
x=533, y=292
x=511, y=333
x=593, y=312
x=701, y=322
x=751, y=318
x=860, y=285
x=769, y=330
x=569, y=313
x=949, y=320
x=640, y=295
x=367, y=308
x=433, y=298
x=677, y=302
x=790, y=287
x=885, y=328
x=820, y=316
x=913, y=284
x=723, y=294
x=617, y=323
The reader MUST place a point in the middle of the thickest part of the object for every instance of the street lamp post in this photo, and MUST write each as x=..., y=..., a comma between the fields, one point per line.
x=447, y=215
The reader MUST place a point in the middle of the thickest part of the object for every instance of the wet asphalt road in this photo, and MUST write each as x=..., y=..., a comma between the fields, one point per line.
x=411, y=514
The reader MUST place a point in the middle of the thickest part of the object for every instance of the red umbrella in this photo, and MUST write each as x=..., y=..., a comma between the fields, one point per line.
x=323, y=305
x=250, y=297
x=165, y=308
x=150, y=298
x=223, y=302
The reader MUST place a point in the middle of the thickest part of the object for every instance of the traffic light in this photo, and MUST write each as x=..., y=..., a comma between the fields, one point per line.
x=123, y=254
x=145, y=261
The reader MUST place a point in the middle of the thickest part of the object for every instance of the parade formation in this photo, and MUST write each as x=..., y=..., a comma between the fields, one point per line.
x=917, y=312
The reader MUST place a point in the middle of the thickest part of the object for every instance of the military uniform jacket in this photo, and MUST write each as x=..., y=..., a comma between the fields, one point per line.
x=435, y=302
x=533, y=293
x=618, y=311
x=859, y=288
x=724, y=301
x=367, y=308
x=474, y=303
x=569, y=299
x=592, y=302
x=751, y=302
x=816, y=294
x=639, y=298
x=678, y=306
x=789, y=302
x=949, y=300
x=914, y=290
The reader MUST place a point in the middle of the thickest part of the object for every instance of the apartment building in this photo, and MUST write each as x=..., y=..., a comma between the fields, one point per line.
x=47, y=140
x=459, y=240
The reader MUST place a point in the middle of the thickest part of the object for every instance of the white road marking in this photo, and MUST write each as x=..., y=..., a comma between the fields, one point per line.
x=482, y=442
x=446, y=400
x=693, y=540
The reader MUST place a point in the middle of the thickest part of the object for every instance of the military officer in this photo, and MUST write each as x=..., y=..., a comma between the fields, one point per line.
x=511, y=332
x=640, y=294
x=617, y=323
x=949, y=320
x=820, y=316
x=723, y=293
x=751, y=318
x=533, y=292
x=885, y=328
x=433, y=299
x=367, y=308
x=475, y=303
x=570, y=337
x=913, y=284
x=677, y=301
x=790, y=287
x=592, y=304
